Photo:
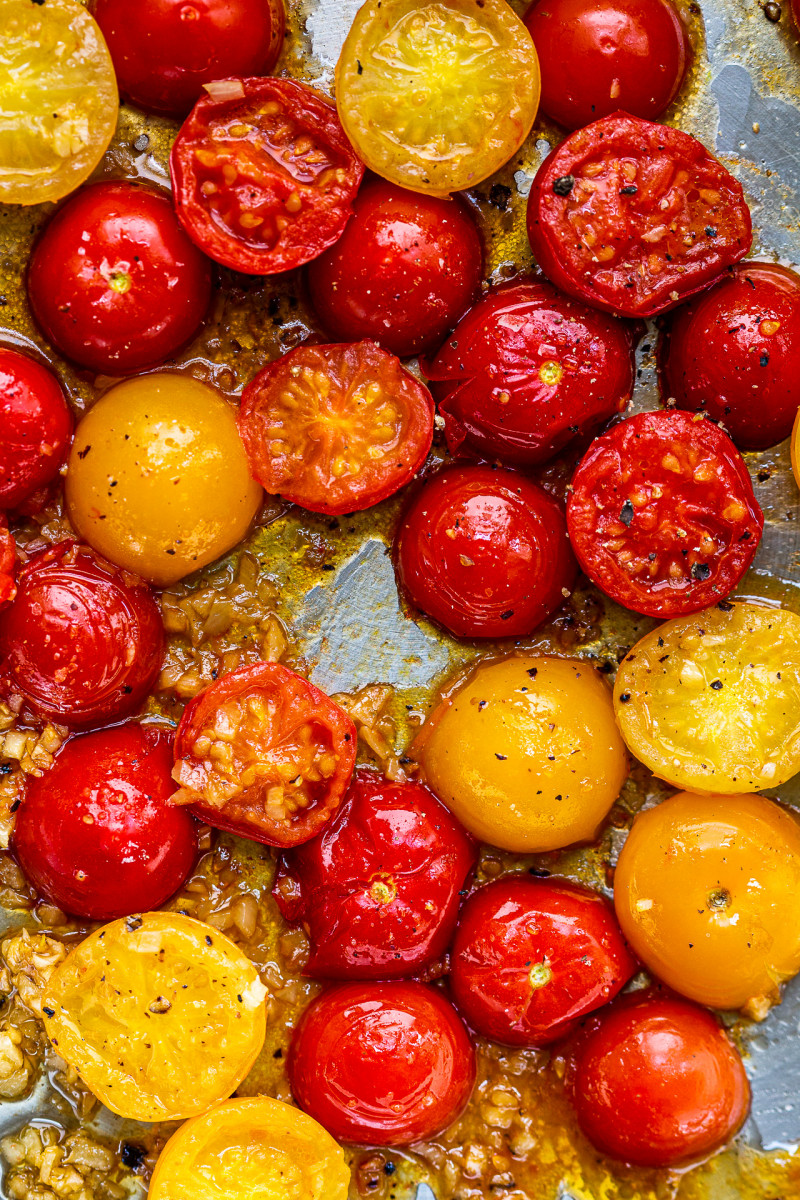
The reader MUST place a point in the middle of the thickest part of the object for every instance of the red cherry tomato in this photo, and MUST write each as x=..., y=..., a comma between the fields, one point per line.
x=602, y=56
x=530, y=957
x=734, y=353
x=336, y=429
x=634, y=217
x=8, y=563
x=402, y=273
x=96, y=833
x=36, y=427
x=662, y=515
x=165, y=50
x=378, y=890
x=264, y=754
x=130, y=289
x=527, y=369
x=83, y=641
x=264, y=177
x=484, y=552
x=384, y=1063
x=656, y=1082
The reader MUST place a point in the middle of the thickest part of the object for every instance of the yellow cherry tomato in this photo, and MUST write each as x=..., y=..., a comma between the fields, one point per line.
x=253, y=1149
x=527, y=753
x=58, y=96
x=159, y=1014
x=707, y=891
x=711, y=702
x=158, y=481
x=436, y=95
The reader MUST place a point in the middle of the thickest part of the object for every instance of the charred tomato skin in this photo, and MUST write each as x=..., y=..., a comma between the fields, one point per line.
x=37, y=427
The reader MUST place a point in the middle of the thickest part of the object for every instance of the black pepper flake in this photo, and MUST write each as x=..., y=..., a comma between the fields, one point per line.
x=359, y=68
x=533, y=672
x=133, y=923
x=507, y=615
x=278, y=1053
x=539, y=872
x=49, y=1012
x=347, y=737
x=624, y=697
x=500, y=196
x=17, y=802
x=132, y=1155
x=208, y=940
x=716, y=684
x=82, y=453
x=502, y=757
x=725, y=606
x=563, y=185
x=763, y=360
x=710, y=231
x=629, y=190
x=700, y=571
x=626, y=513
x=389, y=1168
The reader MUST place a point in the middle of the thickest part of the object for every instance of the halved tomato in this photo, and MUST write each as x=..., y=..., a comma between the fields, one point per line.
x=8, y=561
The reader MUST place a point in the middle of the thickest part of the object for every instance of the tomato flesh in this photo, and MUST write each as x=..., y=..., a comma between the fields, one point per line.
x=37, y=426
x=8, y=563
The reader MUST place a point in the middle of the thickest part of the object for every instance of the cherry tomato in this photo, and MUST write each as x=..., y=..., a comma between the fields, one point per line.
x=602, y=56
x=531, y=956
x=36, y=424
x=378, y=890
x=264, y=754
x=662, y=515
x=656, y=1082
x=707, y=890
x=634, y=217
x=527, y=369
x=385, y=1063
x=83, y=642
x=336, y=429
x=484, y=553
x=131, y=289
x=263, y=175
x=165, y=50
x=733, y=353
x=8, y=563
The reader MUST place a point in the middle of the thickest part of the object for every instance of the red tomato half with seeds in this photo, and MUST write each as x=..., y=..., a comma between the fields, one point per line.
x=264, y=754
x=36, y=428
x=264, y=177
x=634, y=217
x=662, y=515
x=527, y=369
x=8, y=563
x=336, y=429
x=378, y=890
x=532, y=956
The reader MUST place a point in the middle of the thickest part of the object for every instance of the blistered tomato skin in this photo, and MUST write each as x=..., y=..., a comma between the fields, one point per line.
x=384, y=1063
x=532, y=956
x=378, y=890
x=36, y=425
x=527, y=369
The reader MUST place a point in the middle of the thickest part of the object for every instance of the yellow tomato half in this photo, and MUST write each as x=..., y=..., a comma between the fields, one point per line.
x=158, y=481
x=252, y=1149
x=527, y=753
x=160, y=1015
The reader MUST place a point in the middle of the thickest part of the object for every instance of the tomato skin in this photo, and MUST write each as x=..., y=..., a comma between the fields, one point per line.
x=378, y=890
x=96, y=834
x=402, y=273
x=513, y=538
x=621, y=250
x=165, y=50
x=36, y=424
x=636, y=494
x=8, y=563
x=527, y=369
x=656, y=1082
x=603, y=56
x=82, y=642
x=384, y=1063
x=131, y=288
x=515, y=926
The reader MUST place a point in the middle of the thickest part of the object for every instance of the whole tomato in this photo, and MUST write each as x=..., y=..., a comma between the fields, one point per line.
x=35, y=425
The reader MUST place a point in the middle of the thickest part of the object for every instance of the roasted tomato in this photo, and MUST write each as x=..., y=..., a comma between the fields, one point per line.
x=264, y=754
x=402, y=273
x=484, y=553
x=336, y=428
x=263, y=175
x=634, y=217
x=378, y=891
x=686, y=695
x=385, y=1063
x=795, y=449
x=662, y=515
x=707, y=890
x=8, y=563
x=158, y=479
x=656, y=1082
x=96, y=834
x=36, y=425
x=247, y=1147
x=82, y=643
x=734, y=353
x=526, y=753
x=164, y=51
x=602, y=56
x=527, y=369
x=160, y=1015
x=531, y=956
x=437, y=96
